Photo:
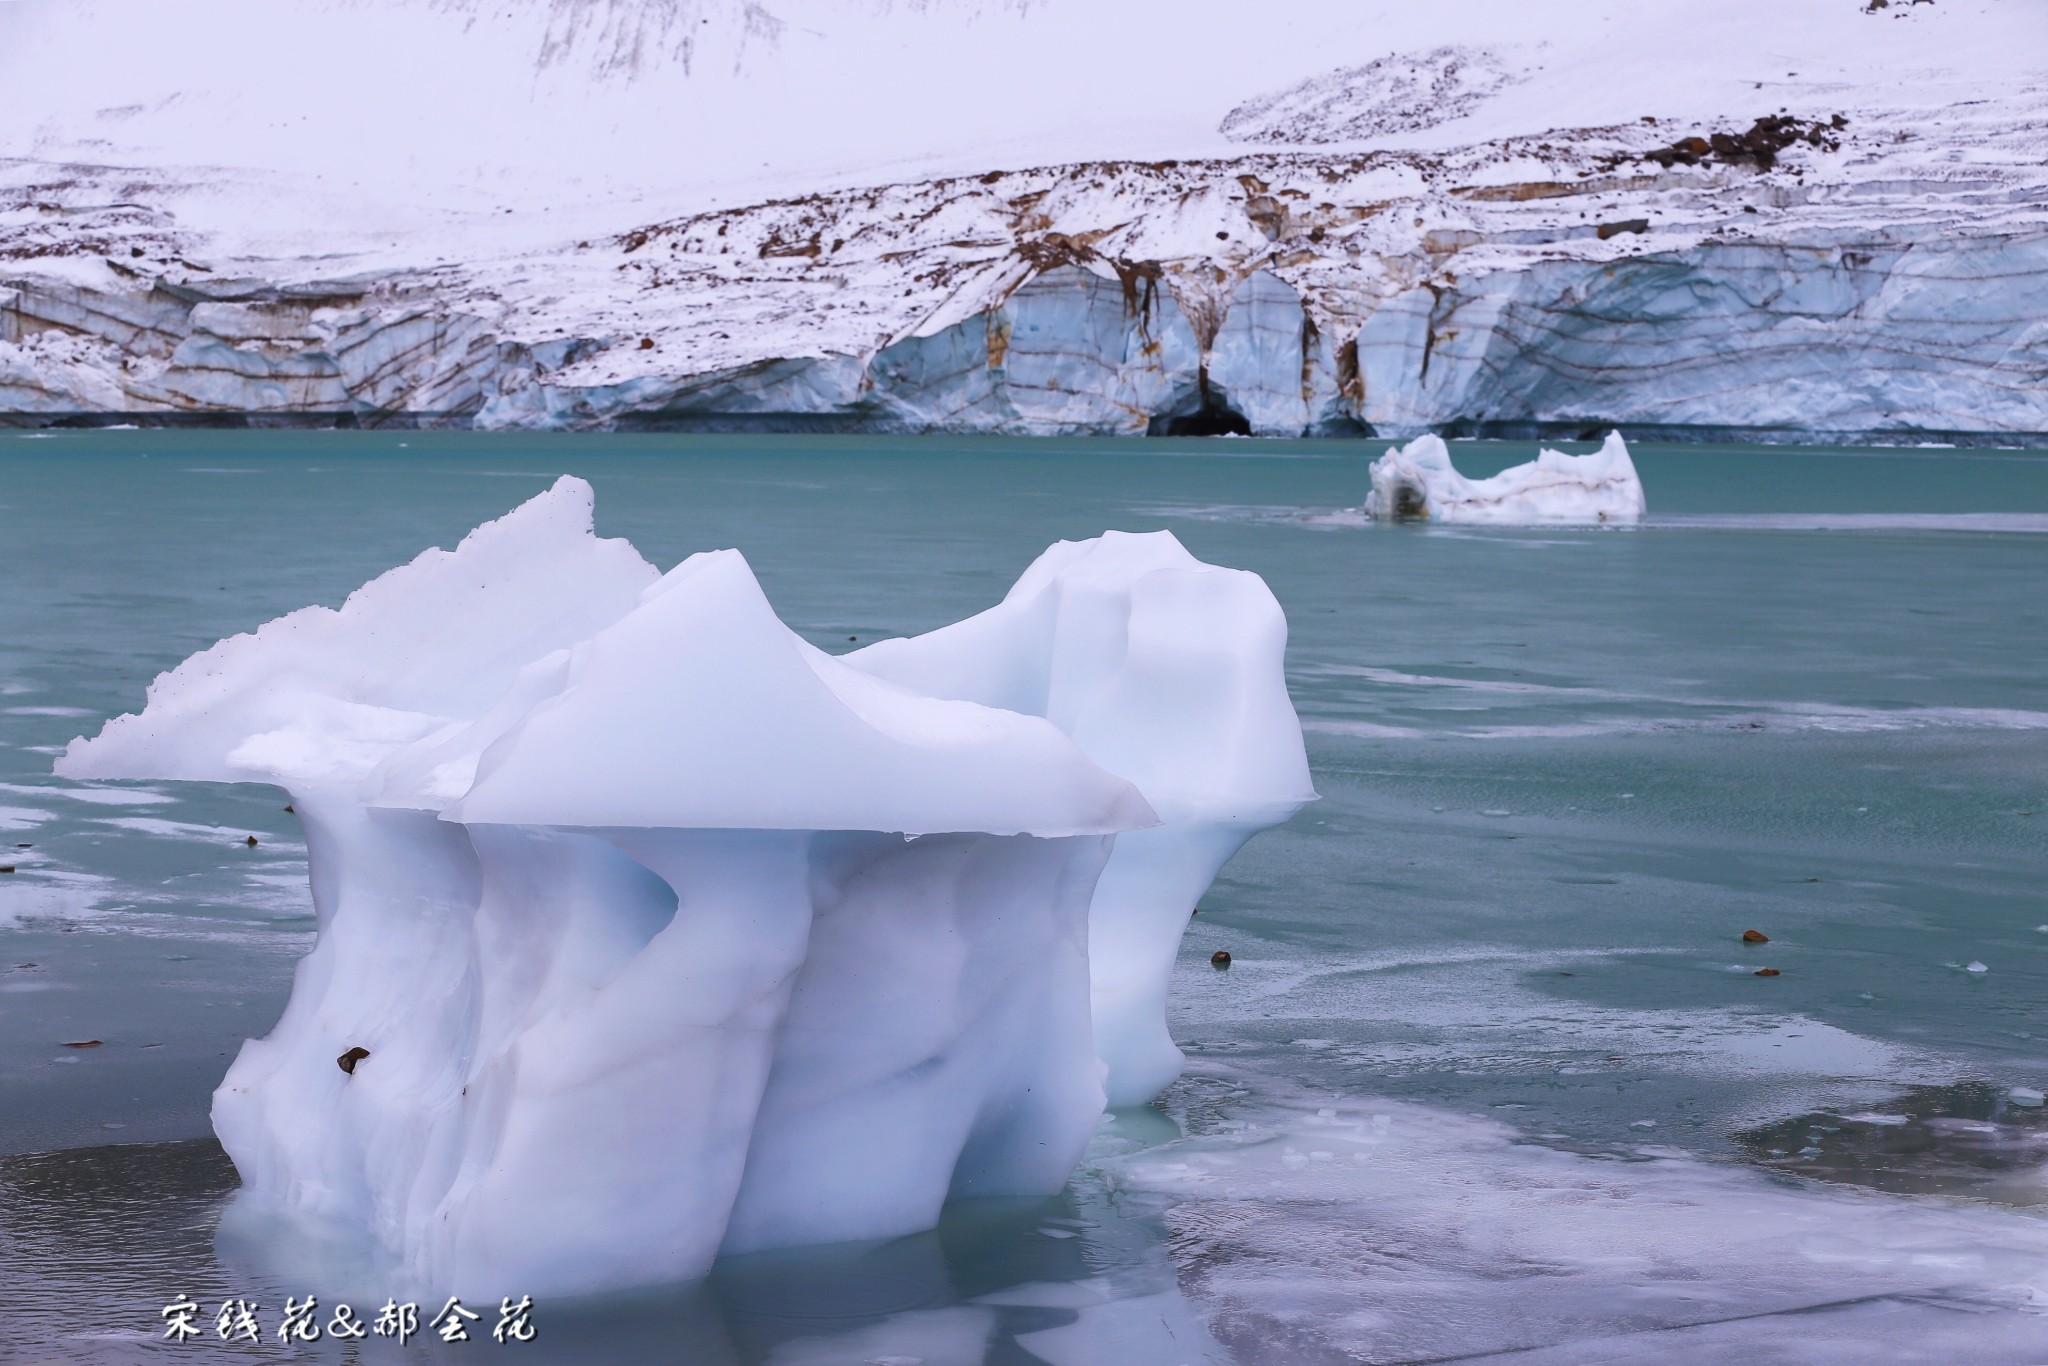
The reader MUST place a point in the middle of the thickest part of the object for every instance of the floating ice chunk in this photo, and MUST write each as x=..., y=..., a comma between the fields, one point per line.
x=1417, y=481
x=1166, y=671
x=2024, y=1095
x=1974, y=966
x=652, y=931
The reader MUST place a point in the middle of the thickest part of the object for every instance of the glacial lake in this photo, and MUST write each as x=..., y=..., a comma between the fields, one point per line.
x=1492, y=1074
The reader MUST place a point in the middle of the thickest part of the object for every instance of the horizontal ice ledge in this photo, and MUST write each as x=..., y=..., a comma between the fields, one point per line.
x=667, y=934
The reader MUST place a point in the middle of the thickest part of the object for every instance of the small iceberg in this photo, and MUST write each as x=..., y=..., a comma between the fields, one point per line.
x=1417, y=482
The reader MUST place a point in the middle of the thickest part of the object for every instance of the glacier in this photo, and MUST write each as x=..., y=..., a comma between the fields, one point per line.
x=1370, y=219
x=649, y=932
x=1418, y=481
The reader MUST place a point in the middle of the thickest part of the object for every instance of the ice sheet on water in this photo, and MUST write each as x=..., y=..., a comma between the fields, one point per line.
x=29, y=903
x=1431, y=1236
x=91, y=796
x=2028, y=523
x=23, y=817
x=1714, y=715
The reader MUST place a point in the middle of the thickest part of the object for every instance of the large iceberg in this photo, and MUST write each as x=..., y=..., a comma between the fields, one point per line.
x=649, y=931
x=1418, y=482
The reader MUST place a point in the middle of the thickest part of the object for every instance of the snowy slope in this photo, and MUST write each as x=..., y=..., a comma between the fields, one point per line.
x=581, y=211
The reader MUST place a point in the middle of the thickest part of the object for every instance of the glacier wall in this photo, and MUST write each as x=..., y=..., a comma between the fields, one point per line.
x=1847, y=338
x=647, y=931
x=1947, y=335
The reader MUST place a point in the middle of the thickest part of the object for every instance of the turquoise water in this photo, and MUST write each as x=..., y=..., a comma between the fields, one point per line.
x=1562, y=771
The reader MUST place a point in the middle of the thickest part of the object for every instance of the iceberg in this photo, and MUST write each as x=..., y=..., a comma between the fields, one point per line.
x=1418, y=482
x=649, y=932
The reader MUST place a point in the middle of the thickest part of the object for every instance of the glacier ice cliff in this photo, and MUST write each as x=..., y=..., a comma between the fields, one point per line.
x=1498, y=218
x=653, y=931
x=1418, y=481
x=1844, y=337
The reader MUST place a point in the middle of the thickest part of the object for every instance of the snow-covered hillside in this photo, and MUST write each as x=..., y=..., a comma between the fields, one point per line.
x=1820, y=217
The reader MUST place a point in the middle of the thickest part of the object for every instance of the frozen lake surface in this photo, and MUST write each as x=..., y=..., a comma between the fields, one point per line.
x=1491, y=1075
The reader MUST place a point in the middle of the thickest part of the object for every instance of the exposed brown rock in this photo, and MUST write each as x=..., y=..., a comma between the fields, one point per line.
x=1758, y=146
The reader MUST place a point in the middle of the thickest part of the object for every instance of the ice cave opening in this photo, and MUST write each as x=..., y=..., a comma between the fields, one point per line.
x=1212, y=415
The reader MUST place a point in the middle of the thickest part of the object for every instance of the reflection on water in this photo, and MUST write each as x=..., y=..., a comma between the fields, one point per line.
x=96, y=1241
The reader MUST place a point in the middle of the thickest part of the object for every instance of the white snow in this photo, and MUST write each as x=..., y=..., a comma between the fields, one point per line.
x=1417, y=481
x=738, y=186
x=545, y=109
x=667, y=933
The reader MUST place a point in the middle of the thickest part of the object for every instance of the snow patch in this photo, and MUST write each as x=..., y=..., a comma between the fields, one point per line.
x=1402, y=93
